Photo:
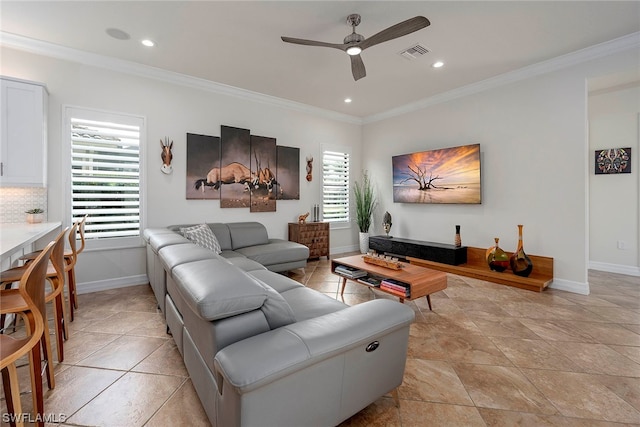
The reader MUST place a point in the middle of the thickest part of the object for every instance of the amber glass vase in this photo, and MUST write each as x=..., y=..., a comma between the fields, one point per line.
x=497, y=259
x=521, y=264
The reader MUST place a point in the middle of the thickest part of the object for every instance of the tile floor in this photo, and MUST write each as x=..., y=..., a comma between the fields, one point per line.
x=488, y=355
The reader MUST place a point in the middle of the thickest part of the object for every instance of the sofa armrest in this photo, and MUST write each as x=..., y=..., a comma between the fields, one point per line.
x=265, y=358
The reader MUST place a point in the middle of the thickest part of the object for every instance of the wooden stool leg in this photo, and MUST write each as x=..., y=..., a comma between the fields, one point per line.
x=65, y=317
x=36, y=382
x=72, y=287
x=60, y=332
x=429, y=302
x=45, y=344
x=48, y=357
x=12, y=394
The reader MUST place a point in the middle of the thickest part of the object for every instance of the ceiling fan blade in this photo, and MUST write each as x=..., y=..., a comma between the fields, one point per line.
x=357, y=67
x=312, y=43
x=402, y=29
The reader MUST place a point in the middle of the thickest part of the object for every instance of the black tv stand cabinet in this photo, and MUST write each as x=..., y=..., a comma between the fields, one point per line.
x=402, y=248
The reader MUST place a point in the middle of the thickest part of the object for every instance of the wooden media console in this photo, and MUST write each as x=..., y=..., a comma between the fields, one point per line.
x=445, y=257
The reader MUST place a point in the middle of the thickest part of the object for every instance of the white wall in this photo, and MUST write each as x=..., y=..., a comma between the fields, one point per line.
x=174, y=110
x=534, y=166
x=613, y=199
x=533, y=135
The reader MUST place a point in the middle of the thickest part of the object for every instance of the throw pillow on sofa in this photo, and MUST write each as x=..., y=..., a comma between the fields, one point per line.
x=184, y=230
x=202, y=235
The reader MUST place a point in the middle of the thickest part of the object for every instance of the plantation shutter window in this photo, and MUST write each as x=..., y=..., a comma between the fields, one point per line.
x=105, y=177
x=335, y=186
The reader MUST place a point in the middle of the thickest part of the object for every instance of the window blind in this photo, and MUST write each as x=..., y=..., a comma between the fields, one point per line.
x=335, y=186
x=105, y=177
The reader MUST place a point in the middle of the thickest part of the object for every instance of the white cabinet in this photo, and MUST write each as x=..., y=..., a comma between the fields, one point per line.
x=23, y=134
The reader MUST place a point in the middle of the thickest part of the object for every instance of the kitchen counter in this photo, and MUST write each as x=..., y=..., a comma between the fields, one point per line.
x=14, y=237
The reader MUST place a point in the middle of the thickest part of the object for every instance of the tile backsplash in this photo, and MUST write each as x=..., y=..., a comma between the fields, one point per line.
x=14, y=201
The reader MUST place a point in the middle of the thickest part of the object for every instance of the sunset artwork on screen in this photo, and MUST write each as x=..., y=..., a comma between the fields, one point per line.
x=447, y=175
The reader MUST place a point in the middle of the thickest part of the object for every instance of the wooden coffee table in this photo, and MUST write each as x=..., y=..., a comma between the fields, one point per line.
x=422, y=281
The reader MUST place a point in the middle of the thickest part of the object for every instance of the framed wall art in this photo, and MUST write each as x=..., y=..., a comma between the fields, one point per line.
x=446, y=175
x=241, y=170
x=264, y=185
x=288, y=173
x=203, y=166
x=612, y=161
x=235, y=161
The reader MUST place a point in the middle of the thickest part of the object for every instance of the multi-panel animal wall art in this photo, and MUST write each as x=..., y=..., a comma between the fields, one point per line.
x=242, y=170
x=263, y=182
x=235, y=148
x=203, y=166
x=288, y=173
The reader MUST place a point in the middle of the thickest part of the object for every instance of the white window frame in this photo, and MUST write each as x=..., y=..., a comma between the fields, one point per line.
x=83, y=113
x=346, y=150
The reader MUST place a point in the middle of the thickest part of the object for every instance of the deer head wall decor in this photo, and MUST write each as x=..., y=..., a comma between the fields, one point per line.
x=166, y=155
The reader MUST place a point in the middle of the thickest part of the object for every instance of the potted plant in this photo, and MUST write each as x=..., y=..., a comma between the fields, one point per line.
x=365, y=204
x=35, y=215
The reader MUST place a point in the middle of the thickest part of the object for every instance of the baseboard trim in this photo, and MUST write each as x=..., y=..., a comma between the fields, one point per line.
x=570, y=286
x=344, y=249
x=103, y=285
x=614, y=268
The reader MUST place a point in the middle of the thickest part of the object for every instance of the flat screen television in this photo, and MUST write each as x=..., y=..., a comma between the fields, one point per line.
x=446, y=175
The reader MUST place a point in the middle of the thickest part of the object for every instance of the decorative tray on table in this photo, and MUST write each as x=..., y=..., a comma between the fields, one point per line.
x=382, y=261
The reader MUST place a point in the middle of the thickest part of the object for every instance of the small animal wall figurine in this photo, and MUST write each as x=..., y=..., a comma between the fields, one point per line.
x=302, y=219
x=166, y=155
x=309, y=169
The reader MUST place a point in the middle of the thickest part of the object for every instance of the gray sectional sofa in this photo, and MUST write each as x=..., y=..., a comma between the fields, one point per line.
x=241, y=243
x=262, y=349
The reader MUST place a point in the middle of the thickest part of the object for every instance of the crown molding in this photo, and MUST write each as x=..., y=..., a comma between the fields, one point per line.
x=630, y=41
x=40, y=47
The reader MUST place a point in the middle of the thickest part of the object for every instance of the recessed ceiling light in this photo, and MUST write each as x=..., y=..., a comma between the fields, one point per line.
x=148, y=43
x=117, y=33
x=437, y=64
x=347, y=100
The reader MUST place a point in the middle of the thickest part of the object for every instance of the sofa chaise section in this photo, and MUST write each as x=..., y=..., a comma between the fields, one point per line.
x=316, y=372
x=244, y=244
x=260, y=357
x=251, y=240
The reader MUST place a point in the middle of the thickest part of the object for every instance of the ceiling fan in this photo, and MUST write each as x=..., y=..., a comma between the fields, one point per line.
x=355, y=43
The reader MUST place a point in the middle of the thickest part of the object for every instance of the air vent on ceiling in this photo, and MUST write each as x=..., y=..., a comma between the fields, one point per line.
x=414, y=52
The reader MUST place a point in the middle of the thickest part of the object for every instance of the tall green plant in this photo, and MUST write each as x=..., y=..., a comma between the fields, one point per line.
x=365, y=202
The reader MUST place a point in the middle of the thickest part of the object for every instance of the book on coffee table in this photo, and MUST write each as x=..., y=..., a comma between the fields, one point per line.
x=396, y=286
x=370, y=281
x=350, y=272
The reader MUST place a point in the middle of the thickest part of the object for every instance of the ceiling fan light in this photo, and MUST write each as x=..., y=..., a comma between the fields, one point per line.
x=354, y=50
